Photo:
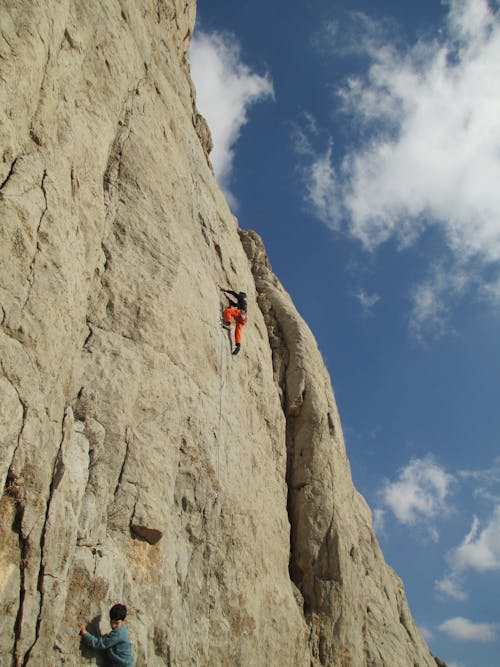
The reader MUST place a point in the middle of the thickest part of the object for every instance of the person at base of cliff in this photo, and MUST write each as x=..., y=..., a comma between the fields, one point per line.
x=236, y=310
x=117, y=642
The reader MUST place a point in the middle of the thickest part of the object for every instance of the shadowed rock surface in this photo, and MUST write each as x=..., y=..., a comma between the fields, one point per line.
x=140, y=462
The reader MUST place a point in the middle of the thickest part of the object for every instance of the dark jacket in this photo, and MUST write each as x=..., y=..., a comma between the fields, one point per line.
x=241, y=299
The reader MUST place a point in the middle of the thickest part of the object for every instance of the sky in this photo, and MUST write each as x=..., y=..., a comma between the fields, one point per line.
x=361, y=140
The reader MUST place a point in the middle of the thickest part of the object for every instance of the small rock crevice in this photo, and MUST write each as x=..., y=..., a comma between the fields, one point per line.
x=31, y=274
x=124, y=463
x=8, y=177
x=12, y=491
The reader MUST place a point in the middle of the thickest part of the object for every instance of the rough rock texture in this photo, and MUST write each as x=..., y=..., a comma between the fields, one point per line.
x=140, y=462
x=353, y=602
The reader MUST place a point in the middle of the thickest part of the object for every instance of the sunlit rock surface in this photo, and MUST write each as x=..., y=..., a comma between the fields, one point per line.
x=140, y=461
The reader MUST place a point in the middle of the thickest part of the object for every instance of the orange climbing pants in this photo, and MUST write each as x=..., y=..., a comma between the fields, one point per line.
x=239, y=317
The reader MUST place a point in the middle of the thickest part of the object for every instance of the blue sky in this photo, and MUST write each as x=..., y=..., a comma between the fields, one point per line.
x=361, y=140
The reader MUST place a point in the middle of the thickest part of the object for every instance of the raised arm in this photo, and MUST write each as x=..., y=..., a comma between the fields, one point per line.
x=103, y=642
x=233, y=293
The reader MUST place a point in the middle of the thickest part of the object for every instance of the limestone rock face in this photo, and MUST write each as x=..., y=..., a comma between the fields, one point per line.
x=353, y=602
x=140, y=461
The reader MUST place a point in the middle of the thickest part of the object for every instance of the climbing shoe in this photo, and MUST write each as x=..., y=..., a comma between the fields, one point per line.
x=236, y=349
x=226, y=325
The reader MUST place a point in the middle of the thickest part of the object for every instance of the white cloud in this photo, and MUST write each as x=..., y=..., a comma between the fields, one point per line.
x=431, y=302
x=441, y=159
x=488, y=481
x=430, y=126
x=420, y=494
x=452, y=586
x=479, y=551
x=455, y=664
x=301, y=133
x=322, y=189
x=367, y=301
x=491, y=291
x=225, y=90
x=465, y=630
x=379, y=521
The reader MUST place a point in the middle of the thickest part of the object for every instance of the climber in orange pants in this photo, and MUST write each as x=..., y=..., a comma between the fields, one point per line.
x=237, y=311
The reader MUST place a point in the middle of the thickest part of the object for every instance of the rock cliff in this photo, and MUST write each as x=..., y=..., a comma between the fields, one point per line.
x=140, y=462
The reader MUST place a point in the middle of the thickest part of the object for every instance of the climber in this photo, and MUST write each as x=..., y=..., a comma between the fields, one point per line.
x=117, y=642
x=236, y=310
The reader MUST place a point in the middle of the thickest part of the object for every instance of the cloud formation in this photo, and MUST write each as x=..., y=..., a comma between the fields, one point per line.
x=479, y=551
x=429, y=154
x=226, y=88
x=432, y=300
x=452, y=586
x=367, y=301
x=488, y=481
x=420, y=494
x=464, y=630
x=379, y=521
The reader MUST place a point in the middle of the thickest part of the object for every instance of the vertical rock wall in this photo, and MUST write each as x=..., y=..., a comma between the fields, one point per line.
x=353, y=602
x=140, y=462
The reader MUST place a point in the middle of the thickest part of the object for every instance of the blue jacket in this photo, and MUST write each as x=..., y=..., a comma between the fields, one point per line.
x=116, y=644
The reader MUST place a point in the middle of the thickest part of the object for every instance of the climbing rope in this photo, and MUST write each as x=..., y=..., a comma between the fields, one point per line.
x=218, y=438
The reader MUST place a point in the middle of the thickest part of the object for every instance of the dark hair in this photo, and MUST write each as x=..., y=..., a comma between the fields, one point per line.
x=118, y=612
